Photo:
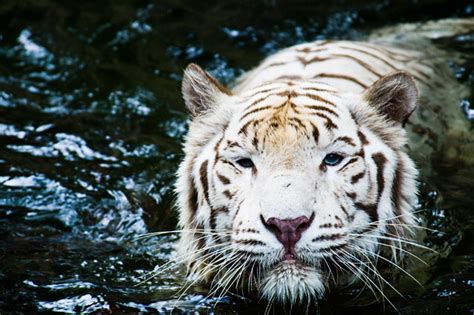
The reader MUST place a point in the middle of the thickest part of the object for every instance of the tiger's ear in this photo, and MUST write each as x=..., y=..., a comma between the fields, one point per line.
x=394, y=95
x=200, y=90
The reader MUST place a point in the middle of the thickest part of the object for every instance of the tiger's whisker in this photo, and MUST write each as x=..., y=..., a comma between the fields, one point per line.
x=375, y=273
x=396, y=239
x=371, y=281
x=201, y=231
x=360, y=250
x=416, y=227
x=360, y=274
x=399, y=249
x=172, y=263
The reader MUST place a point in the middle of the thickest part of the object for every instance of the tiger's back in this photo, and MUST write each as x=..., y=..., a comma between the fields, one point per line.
x=347, y=65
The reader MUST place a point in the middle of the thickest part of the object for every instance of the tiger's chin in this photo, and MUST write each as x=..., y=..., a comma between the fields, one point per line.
x=291, y=282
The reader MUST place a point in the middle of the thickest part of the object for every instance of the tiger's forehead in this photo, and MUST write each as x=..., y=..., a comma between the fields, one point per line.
x=287, y=97
x=284, y=85
x=285, y=114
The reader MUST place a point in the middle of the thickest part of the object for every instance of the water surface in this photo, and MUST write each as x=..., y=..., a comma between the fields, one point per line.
x=91, y=122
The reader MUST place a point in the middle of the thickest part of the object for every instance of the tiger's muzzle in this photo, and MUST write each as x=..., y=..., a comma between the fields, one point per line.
x=288, y=232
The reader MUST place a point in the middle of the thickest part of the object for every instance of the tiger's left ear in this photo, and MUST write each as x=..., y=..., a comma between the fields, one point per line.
x=394, y=95
x=200, y=90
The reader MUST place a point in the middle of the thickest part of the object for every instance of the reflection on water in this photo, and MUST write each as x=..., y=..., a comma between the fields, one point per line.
x=91, y=121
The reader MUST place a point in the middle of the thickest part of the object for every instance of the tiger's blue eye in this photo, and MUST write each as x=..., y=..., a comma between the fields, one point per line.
x=245, y=163
x=332, y=159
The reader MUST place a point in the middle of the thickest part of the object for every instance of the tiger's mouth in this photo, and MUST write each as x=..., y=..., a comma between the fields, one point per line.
x=305, y=257
x=291, y=259
x=293, y=281
x=288, y=256
x=293, y=266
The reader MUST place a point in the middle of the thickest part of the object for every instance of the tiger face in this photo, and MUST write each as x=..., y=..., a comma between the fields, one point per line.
x=290, y=182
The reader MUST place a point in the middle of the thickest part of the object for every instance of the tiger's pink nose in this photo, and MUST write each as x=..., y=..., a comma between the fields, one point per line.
x=288, y=231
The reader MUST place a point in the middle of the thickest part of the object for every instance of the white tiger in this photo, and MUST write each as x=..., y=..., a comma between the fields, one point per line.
x=302, y=168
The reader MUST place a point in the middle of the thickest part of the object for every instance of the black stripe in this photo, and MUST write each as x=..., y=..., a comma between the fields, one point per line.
x=263, y=98
x=201, y=242
x=232, y=144
x=345, y=211
x=329, y=123
x=256, y=110
x=315, y=89
x=247, y=254
x=255, y=141
x=397, y=188
x=352, y=195
x=380, y=161
x=228, y=163
x=386, y=51
x=312, y=49
x=224, y=180
x=192, y=200
x=325, y=226
x=357, y=177
x=341, y=77
x=333, y=248
x=213, y=219
x=253, y=122
x=259, y=100
x=347, y=140
x=238, y=209
x=275, y=64
x=283, y=105
x=372, y=55
x=204, y=180
x=216, y=149
x=297, y=123
x=360, y=62
x=353, y=160
x=250, y=242
x=261, y=91
x=370, y=209
x=317, y=98
x=321, y=108
x=289, y=77
x=363, y=138
x=349, y=217
x=306, y=62
x=386, y=62
x=250, y=230
x=245, y=126
x=332, y=237
x=315, y=133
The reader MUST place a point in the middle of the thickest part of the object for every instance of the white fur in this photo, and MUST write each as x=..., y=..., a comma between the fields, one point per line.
x=288, y=180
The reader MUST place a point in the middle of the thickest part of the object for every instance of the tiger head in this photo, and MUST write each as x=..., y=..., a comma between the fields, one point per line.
x=292, y=181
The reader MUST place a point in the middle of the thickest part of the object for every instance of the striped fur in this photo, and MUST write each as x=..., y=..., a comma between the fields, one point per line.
x=286, y=115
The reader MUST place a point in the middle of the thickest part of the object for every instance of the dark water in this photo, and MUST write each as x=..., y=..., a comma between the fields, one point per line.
x=91, y=122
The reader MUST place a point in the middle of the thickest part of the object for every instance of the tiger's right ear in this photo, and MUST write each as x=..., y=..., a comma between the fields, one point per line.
x=200, y=90
x=394, y=95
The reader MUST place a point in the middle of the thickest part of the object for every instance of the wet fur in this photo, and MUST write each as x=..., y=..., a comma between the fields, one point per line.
x=298, y=105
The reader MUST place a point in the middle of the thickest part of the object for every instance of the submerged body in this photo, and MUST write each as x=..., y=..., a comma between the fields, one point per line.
x=301, y=172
